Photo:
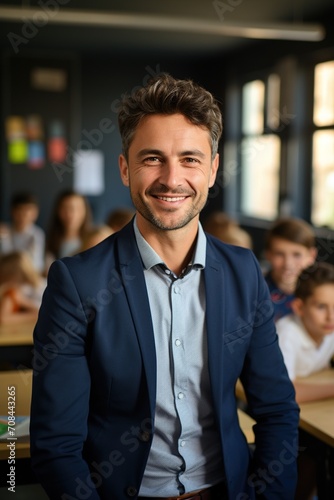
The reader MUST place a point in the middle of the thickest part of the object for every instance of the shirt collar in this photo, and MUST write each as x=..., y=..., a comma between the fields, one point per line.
x=306, y=340
x=150, y=258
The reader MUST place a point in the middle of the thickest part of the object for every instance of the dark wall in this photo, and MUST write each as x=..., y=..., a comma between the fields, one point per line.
x=89, y=109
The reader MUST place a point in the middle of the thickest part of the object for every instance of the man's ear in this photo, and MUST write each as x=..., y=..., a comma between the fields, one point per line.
x=214, y=170
x=124, y=170
x=297, y=305
x=313, y=254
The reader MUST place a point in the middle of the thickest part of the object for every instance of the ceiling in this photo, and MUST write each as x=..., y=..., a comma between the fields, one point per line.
x=151, y=39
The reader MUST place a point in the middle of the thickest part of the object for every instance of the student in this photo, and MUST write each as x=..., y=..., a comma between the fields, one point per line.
x=119, y=217
x=306, y=339
x=23, y=234
x=21, y=288
x=94, y=236
x=146, y=334
x=70, y=221
x=224, y=228
x=289, y=248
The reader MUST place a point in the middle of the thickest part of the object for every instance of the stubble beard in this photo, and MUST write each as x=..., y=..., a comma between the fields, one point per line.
x=160, y=222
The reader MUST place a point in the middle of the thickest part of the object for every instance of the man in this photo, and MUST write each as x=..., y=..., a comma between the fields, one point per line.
x=140, y=340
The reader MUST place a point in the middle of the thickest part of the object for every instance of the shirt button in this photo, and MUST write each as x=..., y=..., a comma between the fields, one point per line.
x=177, y=289
x=178, y=342
x=180, y=395
x=182, y=443
x=144, y=436
x=131, y=491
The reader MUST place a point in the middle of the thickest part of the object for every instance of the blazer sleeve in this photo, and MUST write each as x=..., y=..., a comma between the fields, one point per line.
x=61, y=387
x=271, y=398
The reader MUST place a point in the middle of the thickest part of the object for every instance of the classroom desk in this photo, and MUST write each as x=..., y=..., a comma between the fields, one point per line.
x=22, y=380
x=12, y=335
x=16, y=343
x=246, y=424
x=317, y=417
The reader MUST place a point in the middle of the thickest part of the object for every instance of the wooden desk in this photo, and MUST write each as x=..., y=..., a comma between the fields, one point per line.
x=246, y=424
x=317, y=417
x=22, y=380
x=12, y=335
x=16, y=343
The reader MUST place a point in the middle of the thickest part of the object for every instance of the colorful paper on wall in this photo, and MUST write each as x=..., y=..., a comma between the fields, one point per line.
x=18, y=151
x=36, y=158
x=57, y=144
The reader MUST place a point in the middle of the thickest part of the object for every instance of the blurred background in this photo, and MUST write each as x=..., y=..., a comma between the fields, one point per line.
x=65, y=65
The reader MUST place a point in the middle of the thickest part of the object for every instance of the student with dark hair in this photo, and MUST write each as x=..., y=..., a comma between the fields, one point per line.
x=306, y=339
x=23, y=234
x=151, y=330
x=70, y=221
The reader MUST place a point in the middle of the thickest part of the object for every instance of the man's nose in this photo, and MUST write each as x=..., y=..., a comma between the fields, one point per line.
x=171, y=174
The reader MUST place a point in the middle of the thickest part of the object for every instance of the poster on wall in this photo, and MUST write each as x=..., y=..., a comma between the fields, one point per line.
x=88, y=172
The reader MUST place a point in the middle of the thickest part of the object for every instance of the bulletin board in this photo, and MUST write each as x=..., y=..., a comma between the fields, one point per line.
x=41, y=124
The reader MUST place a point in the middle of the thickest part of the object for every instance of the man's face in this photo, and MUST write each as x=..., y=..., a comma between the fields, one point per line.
x=288, y=259
x=317, y=311
x=169, y=171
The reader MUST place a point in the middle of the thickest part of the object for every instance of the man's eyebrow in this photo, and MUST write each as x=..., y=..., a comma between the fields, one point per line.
x=158, y=152
x=192, y=152
x=151, y=152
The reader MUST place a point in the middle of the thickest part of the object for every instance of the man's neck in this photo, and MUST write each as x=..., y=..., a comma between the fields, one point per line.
x=175, y=247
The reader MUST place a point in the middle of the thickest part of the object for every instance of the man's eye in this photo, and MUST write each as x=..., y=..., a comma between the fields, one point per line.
x=191, y=160
x=152, y=159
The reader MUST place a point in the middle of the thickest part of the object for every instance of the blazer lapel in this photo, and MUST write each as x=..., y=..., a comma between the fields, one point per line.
x=215, y=290
x=131, y=269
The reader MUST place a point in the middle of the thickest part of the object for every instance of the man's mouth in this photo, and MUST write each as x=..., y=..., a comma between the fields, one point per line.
x=171, y=199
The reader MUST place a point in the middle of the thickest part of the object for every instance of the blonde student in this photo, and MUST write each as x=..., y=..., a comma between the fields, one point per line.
x=21, y=288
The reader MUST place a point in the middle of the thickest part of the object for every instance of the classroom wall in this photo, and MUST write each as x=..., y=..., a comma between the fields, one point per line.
x=88, y=108
x=97, y=81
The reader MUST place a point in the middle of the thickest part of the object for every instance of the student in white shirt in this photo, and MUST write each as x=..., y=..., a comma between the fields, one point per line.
x=306, y=337
x=23, y=234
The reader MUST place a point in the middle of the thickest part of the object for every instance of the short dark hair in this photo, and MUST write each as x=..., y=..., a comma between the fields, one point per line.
x=23, y=198
x=320, y=273
x=166, y=95
x=291, y=229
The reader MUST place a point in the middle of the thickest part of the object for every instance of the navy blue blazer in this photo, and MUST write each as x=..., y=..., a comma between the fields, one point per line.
x=94, y=384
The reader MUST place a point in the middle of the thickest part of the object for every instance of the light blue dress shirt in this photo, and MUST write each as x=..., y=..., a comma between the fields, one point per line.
x=185, y=453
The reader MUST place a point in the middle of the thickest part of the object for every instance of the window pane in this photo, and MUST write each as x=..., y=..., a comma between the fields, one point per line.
x=273, y=91
x=323, y=179
x=260, y=176
x=253, y=107
x=323, y=112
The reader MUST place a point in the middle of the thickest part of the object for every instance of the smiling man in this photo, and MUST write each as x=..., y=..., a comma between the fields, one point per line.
x=147, y=334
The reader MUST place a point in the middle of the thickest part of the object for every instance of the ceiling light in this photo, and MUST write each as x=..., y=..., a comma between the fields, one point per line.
x=291, y=31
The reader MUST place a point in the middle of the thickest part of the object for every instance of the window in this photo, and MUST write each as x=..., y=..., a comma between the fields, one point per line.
x=260, y=149
x=322, y=209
